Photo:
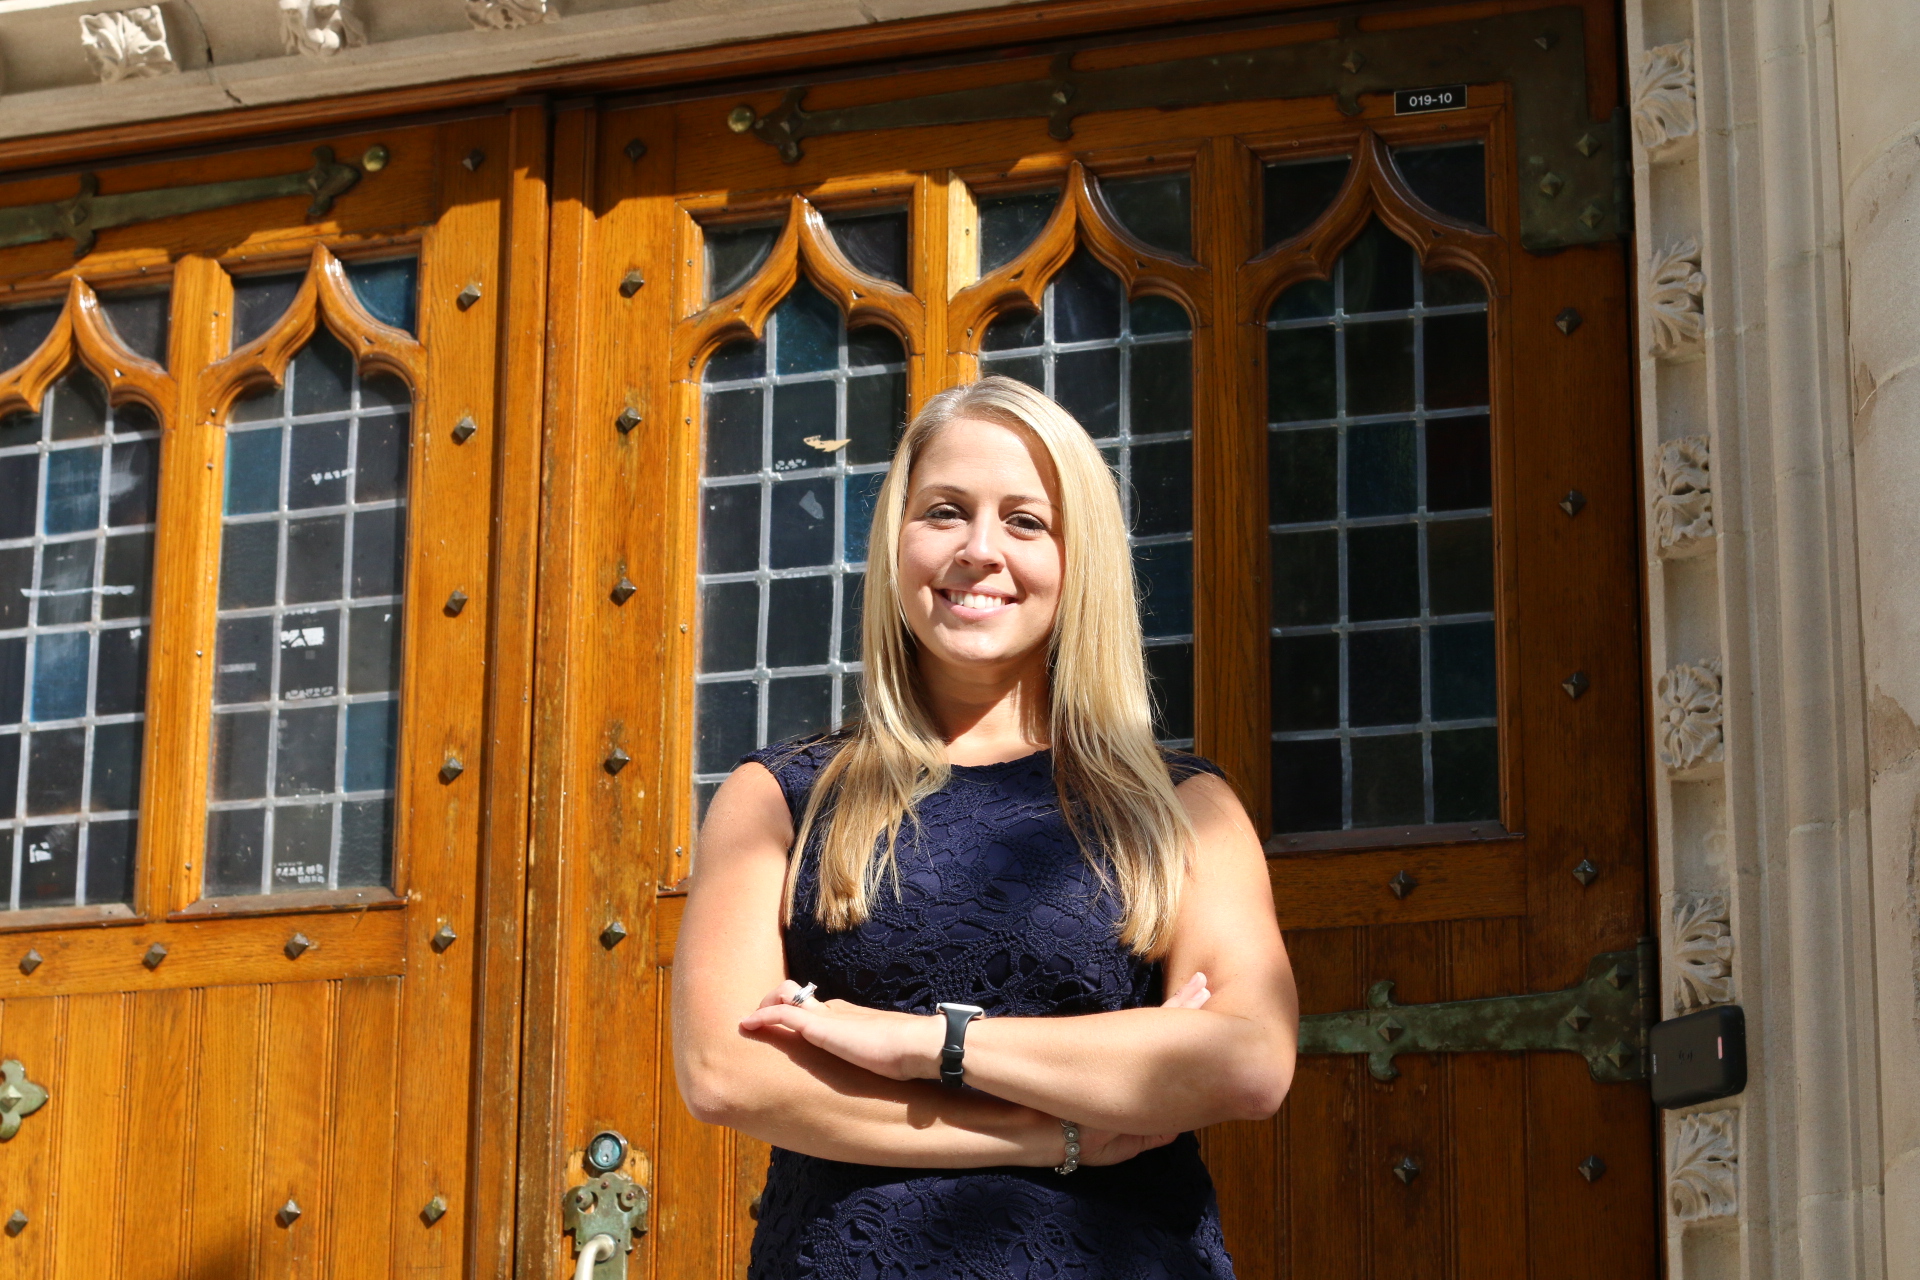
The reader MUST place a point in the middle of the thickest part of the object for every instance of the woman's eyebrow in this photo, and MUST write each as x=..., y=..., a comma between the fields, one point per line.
x=956, y=490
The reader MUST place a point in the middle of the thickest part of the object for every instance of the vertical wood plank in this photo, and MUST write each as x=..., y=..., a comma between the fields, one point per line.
x=693, y=1206
x=163, y=1060
x=296, y=1116
x=227, y=1096
x=30, y=1031
x=89, y=1089
x=1410, y=1222
x=1489, y=1163
x=503, y=881
x=365, y=1082
x=1321, y=1177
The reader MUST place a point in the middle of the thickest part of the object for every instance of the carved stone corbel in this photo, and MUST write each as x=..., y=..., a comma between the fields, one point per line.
x=128, y=44
x=1689, y=716
x=1674, y=287
x=1703, y=1167
x=1683, y=497
x=506, y=15
x=319, y=28
x=1663, y=95
x=1701, y=951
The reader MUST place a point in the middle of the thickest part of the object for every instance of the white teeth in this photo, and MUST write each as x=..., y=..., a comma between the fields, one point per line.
x=973, y=600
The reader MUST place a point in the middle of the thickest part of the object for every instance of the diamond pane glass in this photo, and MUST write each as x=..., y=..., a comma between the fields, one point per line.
x=307, y=645
x=799, y=430
x=1125, y=370
x=1381, y=532
x=77, y=484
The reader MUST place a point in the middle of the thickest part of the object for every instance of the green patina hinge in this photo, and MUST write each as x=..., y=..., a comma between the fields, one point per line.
x=88, y=213
x=19, y=1097
x=1573, y=167
x=1604, y=1019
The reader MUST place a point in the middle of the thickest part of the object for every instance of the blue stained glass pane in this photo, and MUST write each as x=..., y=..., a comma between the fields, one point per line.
x=388, y=290
x=372, y=732
x=1008, y=225
x=1166, y=588
x=23, y=329
x=259, y=301
x=1087, y=301
x=322, y=375
x=807, y=332
x=140, y=320
x=60, y=675
x=1151, y=315
x=863, y=499
x=13, y=688
x=73, y=490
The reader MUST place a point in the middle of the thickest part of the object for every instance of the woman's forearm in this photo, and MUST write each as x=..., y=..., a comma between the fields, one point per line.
x=788, y=1093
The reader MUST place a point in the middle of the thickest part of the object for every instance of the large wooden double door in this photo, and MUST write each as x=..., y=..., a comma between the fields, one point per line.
x=451, y=537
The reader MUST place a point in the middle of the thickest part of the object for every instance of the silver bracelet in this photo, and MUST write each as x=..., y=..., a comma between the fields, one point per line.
x=1071, y=1132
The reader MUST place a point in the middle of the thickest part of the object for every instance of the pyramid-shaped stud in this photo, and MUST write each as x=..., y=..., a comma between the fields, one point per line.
x=635, y=149
x=298, y=945
x=1578, y=1018
x=443, y=937
x=1551, y=185
x=467, y=296
x=616, y=760
x=1389, y=1030
x=473, y=159
x=1585, y=872
x=1574, y=503
x=435, y=1210
x=1593, y=215
x=622, y=590
x=1617, y=976
x=1407, y=1169
x=31, y=961
x=16, y=1223
x=1402, y=884
x=1620, y=1055
x=1546, y=39
x=463, y=430
x=455, y=603
x=289, y=1213
x=1567, y=321
x=10, y=1098
x=155, y=954
x=1575, y=684
x=629, y=419
x=1354, y=62
x=1588, y=144
x=632, y=282
x=613, y=935
x=452, y=769
x=1593, y=1168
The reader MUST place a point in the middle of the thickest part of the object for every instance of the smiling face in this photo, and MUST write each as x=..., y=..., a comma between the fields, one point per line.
x=981, y=556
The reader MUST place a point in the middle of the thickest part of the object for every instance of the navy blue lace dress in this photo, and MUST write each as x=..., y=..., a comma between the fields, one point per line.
x=997, y=907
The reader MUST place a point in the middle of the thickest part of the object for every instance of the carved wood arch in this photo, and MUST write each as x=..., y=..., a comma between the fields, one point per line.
x=1373, y=188
x=83, y=333
x=325, y=295
x=1082, y=217
x=805, y=247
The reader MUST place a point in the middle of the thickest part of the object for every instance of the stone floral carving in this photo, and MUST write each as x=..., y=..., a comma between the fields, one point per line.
x=1683, y=499
x=1663, y=96
x=1703, y=1167
x=1674, y=284
x=1687, y=702
x=319, y=28
x=128, y=44
x=1702, y=952
x=505, y=15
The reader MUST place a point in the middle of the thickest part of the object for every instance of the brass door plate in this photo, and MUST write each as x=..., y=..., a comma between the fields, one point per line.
x=612, y=1205
x=19, y=1097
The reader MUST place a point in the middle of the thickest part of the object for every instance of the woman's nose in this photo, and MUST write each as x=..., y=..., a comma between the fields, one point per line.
x=983, y=543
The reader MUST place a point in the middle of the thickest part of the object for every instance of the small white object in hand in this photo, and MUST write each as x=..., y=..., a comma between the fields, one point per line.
x=804, y=994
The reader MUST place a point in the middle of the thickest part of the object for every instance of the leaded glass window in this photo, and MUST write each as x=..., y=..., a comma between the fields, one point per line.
x=1381, y=527
x=799, y=429
x=307, y=651
x=1124, y=368
x=77, y=501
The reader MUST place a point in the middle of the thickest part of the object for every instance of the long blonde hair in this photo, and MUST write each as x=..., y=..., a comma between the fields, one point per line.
x=1112, y=781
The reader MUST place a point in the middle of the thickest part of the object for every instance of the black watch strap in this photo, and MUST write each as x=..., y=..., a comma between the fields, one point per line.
x=953, y=1072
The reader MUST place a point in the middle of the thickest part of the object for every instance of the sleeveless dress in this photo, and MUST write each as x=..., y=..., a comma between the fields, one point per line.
x=996, y=907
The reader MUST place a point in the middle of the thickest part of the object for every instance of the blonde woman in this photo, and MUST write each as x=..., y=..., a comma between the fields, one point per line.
x=1037, y=951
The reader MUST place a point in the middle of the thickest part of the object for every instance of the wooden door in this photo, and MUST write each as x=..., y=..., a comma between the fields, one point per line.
x=1346, y=404
x=263, y=654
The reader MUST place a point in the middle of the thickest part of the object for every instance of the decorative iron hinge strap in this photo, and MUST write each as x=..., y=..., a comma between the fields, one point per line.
x=88, y=213
x=1571, y=165
x=1604, y=1019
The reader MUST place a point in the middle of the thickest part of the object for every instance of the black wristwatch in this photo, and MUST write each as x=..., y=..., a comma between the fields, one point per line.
x=953, y=1072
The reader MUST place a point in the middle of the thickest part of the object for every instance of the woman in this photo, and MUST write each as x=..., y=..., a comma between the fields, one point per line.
x=922, y=859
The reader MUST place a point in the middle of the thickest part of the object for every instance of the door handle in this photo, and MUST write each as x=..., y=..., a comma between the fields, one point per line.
x=604, y=1213
x=1604, y=1019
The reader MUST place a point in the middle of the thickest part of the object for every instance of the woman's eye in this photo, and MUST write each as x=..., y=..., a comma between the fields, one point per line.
x=945, y=511
x=1030, y=524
